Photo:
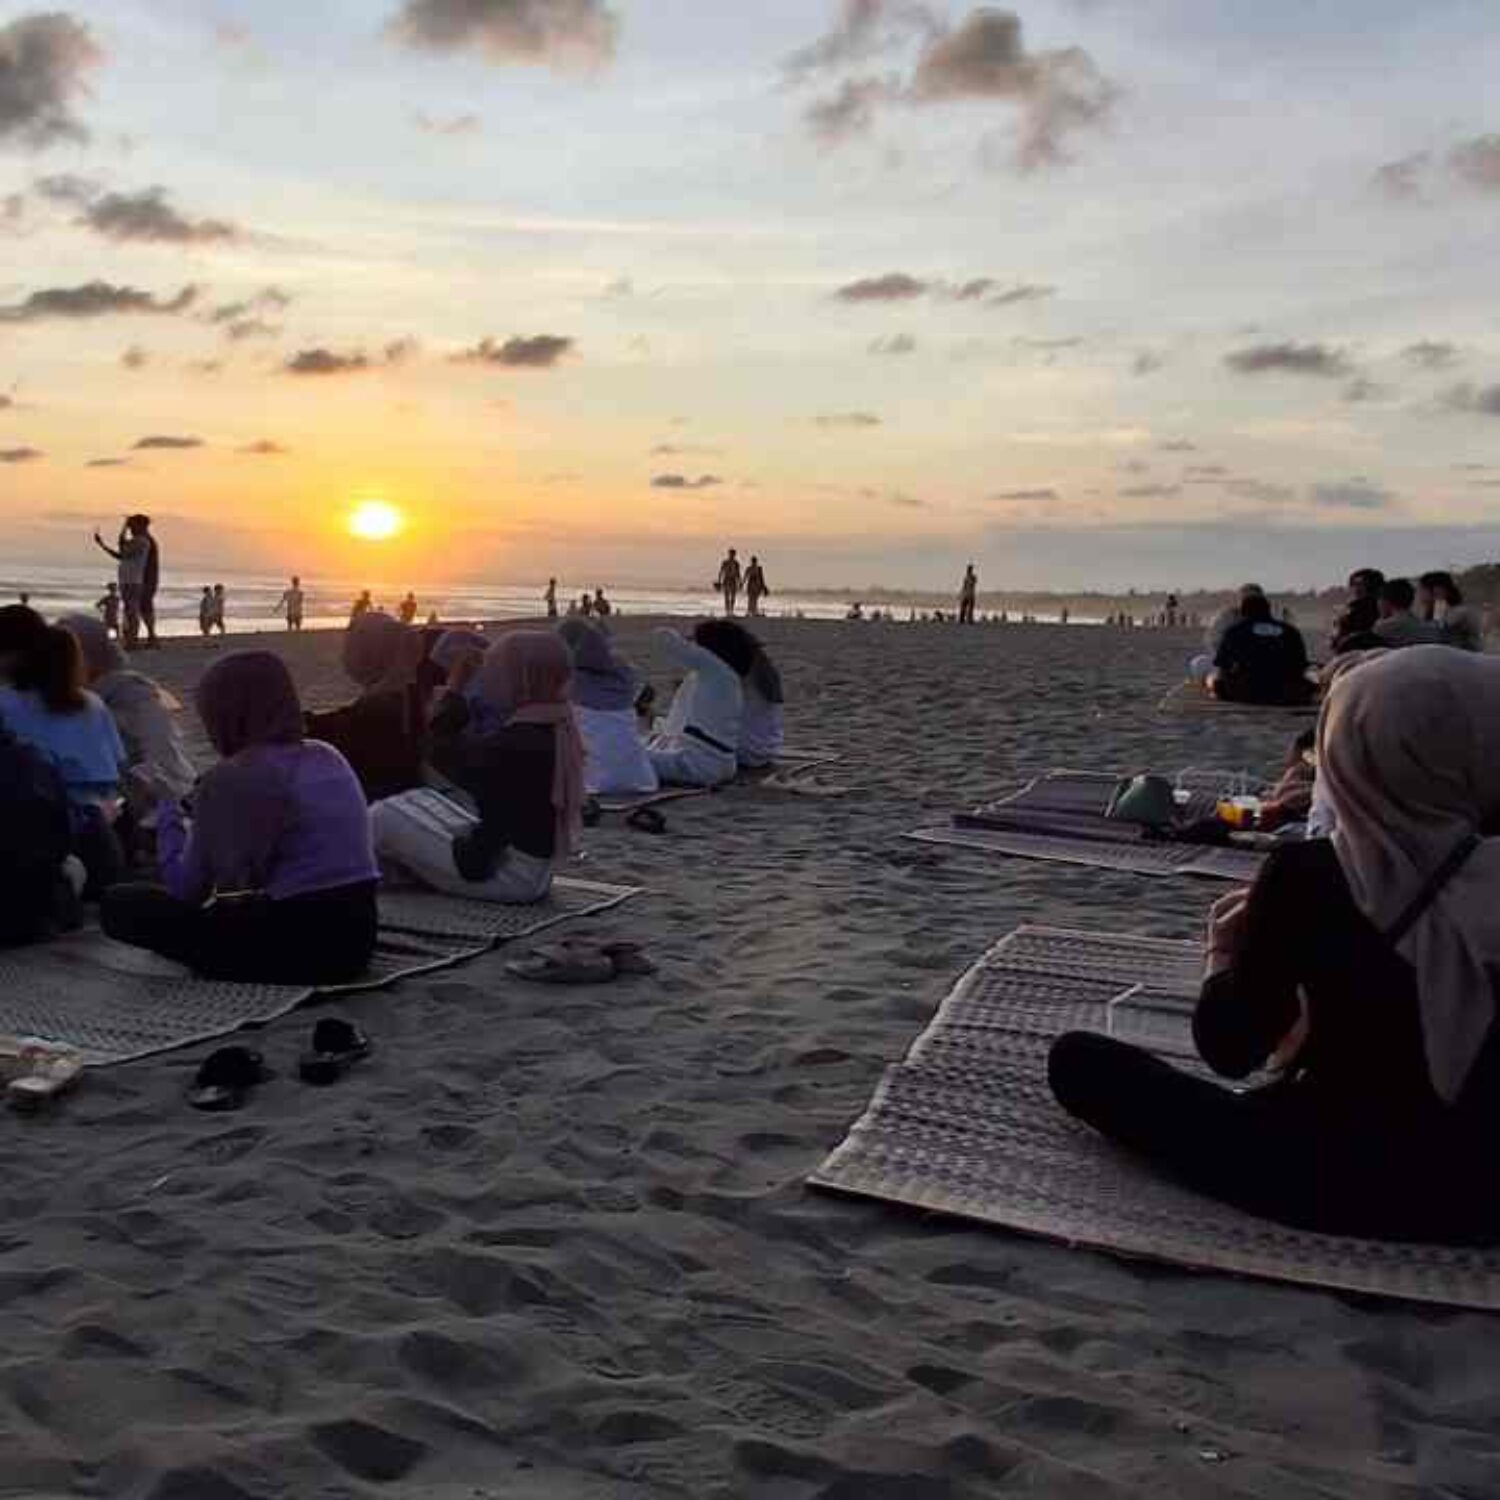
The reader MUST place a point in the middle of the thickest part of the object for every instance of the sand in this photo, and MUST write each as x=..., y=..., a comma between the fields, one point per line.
x=555, y=1243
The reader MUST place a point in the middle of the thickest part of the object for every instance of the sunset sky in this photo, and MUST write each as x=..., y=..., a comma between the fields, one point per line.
x=1094, y=292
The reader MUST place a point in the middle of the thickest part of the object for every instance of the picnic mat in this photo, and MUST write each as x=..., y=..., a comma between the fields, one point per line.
x=116, y=1004
x=967, y=1126
x=1190, y=698
x=1061, y=817
x=789, y=768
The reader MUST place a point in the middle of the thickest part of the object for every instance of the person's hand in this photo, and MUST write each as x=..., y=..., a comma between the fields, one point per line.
x=1226, y=931
x=1292, y=1044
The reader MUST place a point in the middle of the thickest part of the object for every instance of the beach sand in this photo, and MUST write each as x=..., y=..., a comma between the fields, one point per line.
x=555, y=1243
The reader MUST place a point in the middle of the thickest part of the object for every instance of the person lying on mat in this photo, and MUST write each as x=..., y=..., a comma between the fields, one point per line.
x=1261, y=660
x=698, y=743
x=381, y=733
x=763, y=729
x=273, y=879
x=604, y=694
x=526, y=779
x=1362, y=968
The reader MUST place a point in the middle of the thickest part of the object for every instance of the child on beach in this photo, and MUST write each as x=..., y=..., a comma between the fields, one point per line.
x=221, y=604
x=109, y=610
x=206, y=612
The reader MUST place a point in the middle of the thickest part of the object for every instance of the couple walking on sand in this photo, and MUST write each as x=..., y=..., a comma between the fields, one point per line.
x=732, y=576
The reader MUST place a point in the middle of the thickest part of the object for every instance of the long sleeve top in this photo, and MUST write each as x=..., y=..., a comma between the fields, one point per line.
x=711, y=701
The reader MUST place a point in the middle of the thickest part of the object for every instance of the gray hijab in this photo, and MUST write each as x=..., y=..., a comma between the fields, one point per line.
x=601, y=681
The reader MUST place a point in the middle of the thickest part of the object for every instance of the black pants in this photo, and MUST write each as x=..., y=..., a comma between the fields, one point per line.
x=1287, y=1152
x=324, y=938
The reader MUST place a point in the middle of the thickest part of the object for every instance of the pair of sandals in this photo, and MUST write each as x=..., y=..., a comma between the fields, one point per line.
x=642, y=819
x=227, y=1077
x=581, y=963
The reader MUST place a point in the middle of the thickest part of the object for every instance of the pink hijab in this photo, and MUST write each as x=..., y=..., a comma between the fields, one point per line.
x=1409, y=763
x=526, y=676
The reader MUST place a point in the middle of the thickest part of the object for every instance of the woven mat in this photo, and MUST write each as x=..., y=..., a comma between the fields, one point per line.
x=1133, y=858
x=790, y=766
x=1190, y=698
x=115, y=1004
x=967, y=1126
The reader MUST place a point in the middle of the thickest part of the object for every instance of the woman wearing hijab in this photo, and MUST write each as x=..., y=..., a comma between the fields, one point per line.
x=273, y=880
x=763, y=729
x=604, y=697
x=699, y=743
x=380, y=734
x=526, y=778
x=1362, y=969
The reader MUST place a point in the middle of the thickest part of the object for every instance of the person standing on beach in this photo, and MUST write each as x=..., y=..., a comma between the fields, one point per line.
x=362, y=606
x=206, y=612
x=728, y=581
x=755, y=587
x=131, y=553
x=291, y=605
x=550, y=598
x=407, y=613
x=221, y=604
x=152, y=579
x=968, y=596
x=603, y=609
x=109, y=610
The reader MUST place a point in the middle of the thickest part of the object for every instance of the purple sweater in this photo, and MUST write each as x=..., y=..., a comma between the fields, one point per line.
x=325, y=843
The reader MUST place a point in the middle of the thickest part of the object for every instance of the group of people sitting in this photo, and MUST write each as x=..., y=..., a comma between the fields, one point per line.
x=1252, y=657
x=266, y=867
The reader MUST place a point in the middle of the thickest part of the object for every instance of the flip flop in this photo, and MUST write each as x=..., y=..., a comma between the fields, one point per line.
x=628, y=958
x=646, y=820
x=336, y=1046
x=593, y=812
x=45, y=1074
x=225, y=1078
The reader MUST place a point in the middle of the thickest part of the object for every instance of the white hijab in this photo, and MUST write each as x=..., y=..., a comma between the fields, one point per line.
x=1409, y=757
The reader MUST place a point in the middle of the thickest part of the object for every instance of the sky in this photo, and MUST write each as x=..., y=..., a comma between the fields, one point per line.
x=1095, y=293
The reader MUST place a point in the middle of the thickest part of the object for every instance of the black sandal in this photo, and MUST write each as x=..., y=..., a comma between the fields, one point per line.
x=646, y=820
x=336, y=1046
x=224, y=1079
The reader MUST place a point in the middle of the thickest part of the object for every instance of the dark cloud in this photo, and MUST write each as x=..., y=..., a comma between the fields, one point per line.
x=1431, y=354
x=1358, y=493
x=251, y=328
x=1402, y=179
x=1468, y=397
x=1290, y=358
x=1178, y=445
x=206, y=366
x=147, y=217
x=1020, y=496
x=849, y=111
x=1261, y=491
x=1147, y=364
x=135, y=358
x=454, y=125
x=1150, y=491
x=268, y=299
x=1477, y=163
x=684, y=450
x=864, y=29
x=107, y=463
x=44, y=62
x=19, y=455
x=848, y=419
x=894, y=286
x=1360, y=390
x=399, y=351
x=1025, y=292
x=327, y=362
x=265, y=448
x=95, y=299
x=551, y=33
x=66, y=187
x=898, y=343
x=1202, y=472
x=683, y=482
x=166, y=444
x=543, y=351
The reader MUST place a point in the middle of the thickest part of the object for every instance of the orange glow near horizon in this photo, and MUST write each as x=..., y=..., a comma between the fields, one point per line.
x=376, y=521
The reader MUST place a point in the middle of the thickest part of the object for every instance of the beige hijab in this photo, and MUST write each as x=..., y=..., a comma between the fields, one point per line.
x=1409, y=755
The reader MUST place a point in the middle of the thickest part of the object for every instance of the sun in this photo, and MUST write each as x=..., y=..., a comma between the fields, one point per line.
x=375, y=521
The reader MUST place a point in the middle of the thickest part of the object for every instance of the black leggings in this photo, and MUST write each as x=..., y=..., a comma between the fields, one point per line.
x=1287, y=1151
x=324, y=938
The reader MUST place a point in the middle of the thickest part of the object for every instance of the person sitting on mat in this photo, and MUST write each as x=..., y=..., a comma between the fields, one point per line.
x=38, y=899
x=526, y=779
x=380, y=734
x=604, y=694
x=1361, y=968
x=1261, y=660
x=273, y=879
x=698, y=744
x=763, y=728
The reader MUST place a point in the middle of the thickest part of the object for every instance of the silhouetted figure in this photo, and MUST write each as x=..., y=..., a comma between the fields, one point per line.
x=755, y=587
x=362, y=606
x=407, y=611
x=550, y=598
x=728, y=581
x=133, y=554
x=603, y=609
x=206, y=612
x=109, y=610
x=221, y=605
x=291, y=604
x=968, y=596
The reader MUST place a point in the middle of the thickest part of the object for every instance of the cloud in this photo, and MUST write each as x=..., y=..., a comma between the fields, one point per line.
x=1357, y=493
x=251, y=328
x=848, y=419
x=6, y=402
x=548, y=33
x=1147, y=364
x=1468, y=397
x=135, y=358
x=1047, y=346
x=864, y=29
x=683, y=450
x=20, y=455
x=1025, y=292
x=1431, y=354
x=467, y=124
x=1261, y=491
x=894, y=286
x=265, y=448
x=1021, y=496
x=107, y=463
x=543, y=351
x=148, y=218
x=682, y=482
x=849, y=111
x=904, y=501
x=1150, y=491
x=67, y=187
x=898, y=286
x=1201, y=472
x=166, y=444
x=1178, y=445
x=268, y=299
x=44, y=62
x=1476, y=163
x=326, y=362
x=897, y=344
x=1401, y=180
x=1290, y=358
x=94, y=299
x=1360, y=390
